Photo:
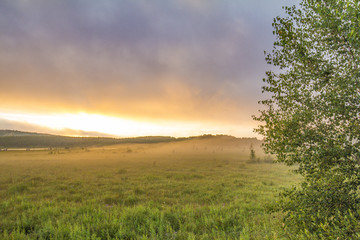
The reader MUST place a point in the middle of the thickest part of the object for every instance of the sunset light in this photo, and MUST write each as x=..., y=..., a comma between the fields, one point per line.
x=180, y=119
x=95, y=124
x=133, y=68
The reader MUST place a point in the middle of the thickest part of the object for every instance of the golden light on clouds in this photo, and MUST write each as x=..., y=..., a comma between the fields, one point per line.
x=133, y=68
x=118, y=127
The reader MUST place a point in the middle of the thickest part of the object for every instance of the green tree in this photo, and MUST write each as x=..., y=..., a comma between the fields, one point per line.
x=312, y=118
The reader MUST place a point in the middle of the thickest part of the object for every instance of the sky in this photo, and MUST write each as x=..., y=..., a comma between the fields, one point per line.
x=134, y=67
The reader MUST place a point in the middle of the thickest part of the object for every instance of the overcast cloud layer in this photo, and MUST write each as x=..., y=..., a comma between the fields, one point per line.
x=190, y=60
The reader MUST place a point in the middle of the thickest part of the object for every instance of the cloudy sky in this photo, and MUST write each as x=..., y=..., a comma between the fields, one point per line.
x=134, y=67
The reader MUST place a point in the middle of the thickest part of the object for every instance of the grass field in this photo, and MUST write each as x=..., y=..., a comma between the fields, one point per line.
x=196, y=189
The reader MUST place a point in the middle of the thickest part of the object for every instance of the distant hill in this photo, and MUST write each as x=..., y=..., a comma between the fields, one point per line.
x=15, y=133
x=19, y=139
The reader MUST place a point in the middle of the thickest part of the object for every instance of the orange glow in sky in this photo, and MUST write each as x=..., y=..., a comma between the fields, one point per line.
x=120, y=127
x=134, y=68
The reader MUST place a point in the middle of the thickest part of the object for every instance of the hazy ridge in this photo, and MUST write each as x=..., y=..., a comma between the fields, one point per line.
x=20, y=139
x=16, y=133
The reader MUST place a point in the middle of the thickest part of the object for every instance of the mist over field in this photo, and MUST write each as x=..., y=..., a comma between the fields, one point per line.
x=201, y=187
x=134, y=119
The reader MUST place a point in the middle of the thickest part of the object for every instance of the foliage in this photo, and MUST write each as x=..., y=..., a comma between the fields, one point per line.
x=312, y=118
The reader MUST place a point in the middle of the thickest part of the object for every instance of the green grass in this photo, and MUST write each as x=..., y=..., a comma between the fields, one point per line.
x=188, y=190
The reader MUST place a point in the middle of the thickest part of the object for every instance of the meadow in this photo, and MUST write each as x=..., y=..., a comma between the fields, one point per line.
x=193, y=189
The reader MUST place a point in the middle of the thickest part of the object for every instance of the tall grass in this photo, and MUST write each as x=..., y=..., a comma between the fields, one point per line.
x=190, y=192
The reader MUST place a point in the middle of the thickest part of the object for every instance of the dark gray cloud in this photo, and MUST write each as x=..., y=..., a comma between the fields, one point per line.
x=161, y=58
